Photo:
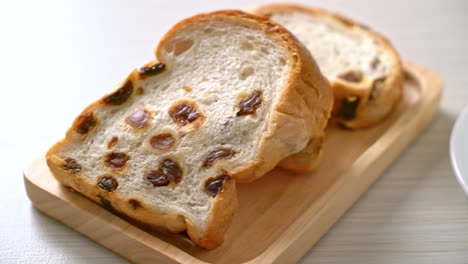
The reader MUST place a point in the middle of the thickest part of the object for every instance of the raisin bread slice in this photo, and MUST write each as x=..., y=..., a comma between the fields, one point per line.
x=231, y=95
x=362, y=66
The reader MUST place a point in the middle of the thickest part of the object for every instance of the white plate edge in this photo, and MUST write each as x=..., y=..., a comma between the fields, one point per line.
x=453, y=136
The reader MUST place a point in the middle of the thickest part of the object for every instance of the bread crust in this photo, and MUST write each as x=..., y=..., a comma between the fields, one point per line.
x=306, y=160
x=368, y=112
x=301, y=112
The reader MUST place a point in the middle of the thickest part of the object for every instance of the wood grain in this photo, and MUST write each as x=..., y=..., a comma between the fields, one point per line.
x=282, y=215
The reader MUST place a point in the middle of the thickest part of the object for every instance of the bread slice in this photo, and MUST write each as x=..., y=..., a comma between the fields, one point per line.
x=364, y=69
x=362, y=66
x=231, y=95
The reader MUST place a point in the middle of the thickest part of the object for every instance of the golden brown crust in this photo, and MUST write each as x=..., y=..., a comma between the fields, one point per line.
x=303, y=108
x=223, y=210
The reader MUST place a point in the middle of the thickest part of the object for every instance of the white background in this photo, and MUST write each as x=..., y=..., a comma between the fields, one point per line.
x=58, y=56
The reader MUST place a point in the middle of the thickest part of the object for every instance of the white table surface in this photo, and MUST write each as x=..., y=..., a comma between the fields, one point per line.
x=57, y=56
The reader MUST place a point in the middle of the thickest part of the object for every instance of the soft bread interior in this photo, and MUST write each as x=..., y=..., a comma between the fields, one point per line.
x=336, y=47
x=214, y=64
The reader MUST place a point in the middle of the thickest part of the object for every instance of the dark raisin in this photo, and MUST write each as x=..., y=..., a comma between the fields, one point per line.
x=112, y=142
x=157, y=178
x=376, y=88
x=162, y=141
x=349, y=106
x=171, y=169
x=374, y=63
x=153, y=70
x=108, y=183
x=214, y=185
x=139, y=91
x=121, y=95
x=184, y=113
x=250, y=104
x=138, y=119
x=105, y=203
x=71, y=165
x=116, y=160
x=218, y=154
x=135, y=204
x=351, y=76
x=85, y=122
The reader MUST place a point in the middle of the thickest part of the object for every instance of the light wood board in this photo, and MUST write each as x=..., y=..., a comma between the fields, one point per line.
x=282, y=215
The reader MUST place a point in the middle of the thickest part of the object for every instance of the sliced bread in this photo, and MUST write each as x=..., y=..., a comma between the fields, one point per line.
x=362, y=66
x=230, y=95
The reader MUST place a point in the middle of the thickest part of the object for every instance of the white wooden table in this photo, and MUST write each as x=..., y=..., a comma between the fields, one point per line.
x=57, y=56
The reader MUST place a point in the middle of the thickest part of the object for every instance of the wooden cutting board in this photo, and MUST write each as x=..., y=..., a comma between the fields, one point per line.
x=282, y=215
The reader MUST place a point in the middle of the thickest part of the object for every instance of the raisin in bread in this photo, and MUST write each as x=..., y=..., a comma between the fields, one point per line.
x=362, y=66
x=231, y=95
